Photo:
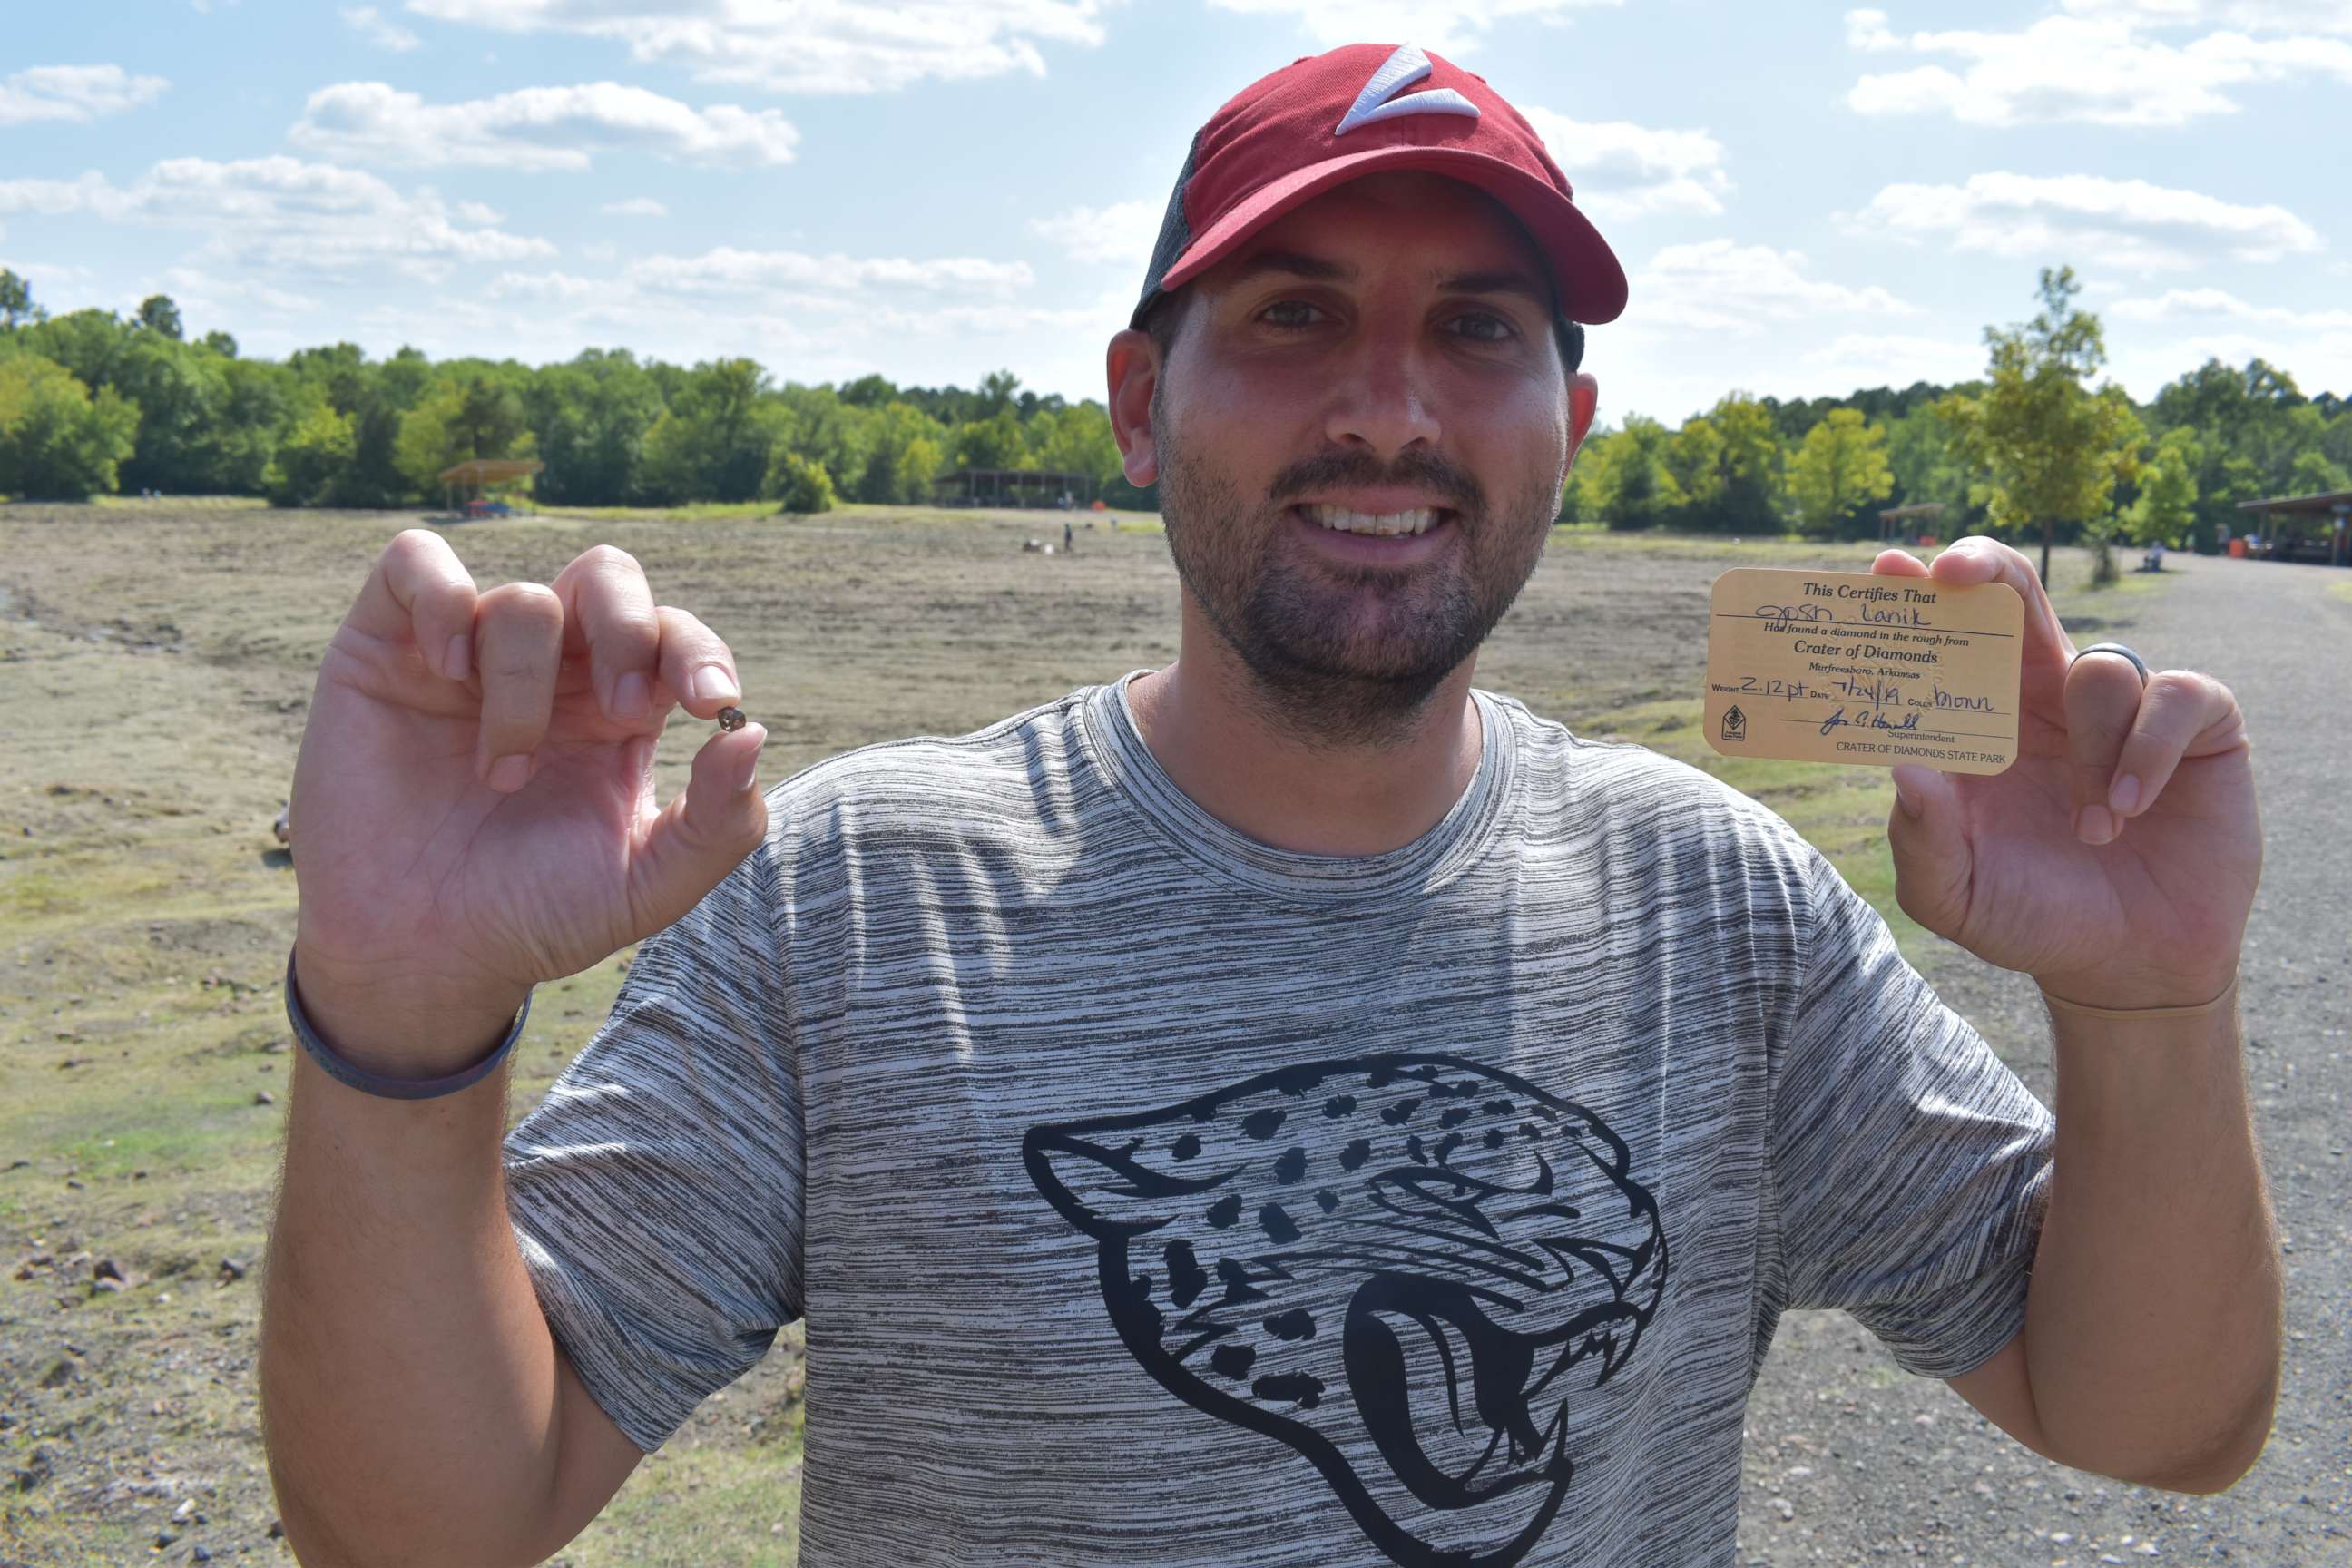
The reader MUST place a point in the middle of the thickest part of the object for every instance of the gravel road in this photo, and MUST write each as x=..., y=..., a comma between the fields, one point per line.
x=1851, y=1462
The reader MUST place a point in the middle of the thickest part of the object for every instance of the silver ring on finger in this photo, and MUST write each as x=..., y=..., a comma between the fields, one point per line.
x=2116, y=647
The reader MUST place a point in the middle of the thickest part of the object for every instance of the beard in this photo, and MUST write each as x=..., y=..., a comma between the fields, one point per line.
x=1339, y=656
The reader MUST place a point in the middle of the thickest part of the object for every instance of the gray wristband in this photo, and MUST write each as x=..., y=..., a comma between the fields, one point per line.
x=366, y=1082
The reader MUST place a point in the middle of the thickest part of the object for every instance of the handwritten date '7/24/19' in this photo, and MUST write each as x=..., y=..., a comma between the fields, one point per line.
x=1871, y=694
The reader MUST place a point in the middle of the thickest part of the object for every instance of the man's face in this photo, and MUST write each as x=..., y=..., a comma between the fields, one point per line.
x=1361, y=432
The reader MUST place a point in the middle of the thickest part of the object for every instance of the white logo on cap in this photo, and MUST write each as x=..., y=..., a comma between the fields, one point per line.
x=1379, y=100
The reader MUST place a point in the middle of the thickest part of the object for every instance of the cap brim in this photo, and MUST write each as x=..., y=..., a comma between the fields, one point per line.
x=1584, y=271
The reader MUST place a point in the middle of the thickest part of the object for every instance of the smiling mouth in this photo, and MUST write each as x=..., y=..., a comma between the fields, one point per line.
x=1381, y=525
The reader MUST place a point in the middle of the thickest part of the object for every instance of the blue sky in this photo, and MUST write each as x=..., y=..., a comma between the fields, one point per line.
x=1807, y=198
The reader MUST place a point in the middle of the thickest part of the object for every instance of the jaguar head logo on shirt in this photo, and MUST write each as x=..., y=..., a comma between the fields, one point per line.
x=1406, y=1268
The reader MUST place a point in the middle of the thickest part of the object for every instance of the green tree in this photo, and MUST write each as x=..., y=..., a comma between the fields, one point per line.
x=1076, y=440
x=905, y=447
x=57, y=441
x=2314, y=473
x=1840, y=467
x=313, y=459
x=590, y=417
x=1752, y=463
x=16, y=300
x=716, y=441
x=1634, y=487
x=2167, y=505
x=158, y=314
x=2052, y=447
x=800, y=484
x=995, y=442
x=1695, y=458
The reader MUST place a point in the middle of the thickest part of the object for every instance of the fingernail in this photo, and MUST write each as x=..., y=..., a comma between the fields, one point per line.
x=713, y=684
x=632, y=698
x=509, y=774
x=751, y=773
x=454, y=663
x=1907, y=799
x=2123, y=795
x=2096, y=826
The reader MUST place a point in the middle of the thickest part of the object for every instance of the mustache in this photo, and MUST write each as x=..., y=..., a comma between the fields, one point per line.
x=1423, y=471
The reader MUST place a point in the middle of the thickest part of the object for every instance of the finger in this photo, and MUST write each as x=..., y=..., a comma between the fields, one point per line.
x=700, y=835
x=2181, y=714
x=1899, y=564
x=696, y=666
x=420, y=593
x=1980, y=559
x=1933, y=862
x=608, y=610
x=519, y=629
x=2101, y=698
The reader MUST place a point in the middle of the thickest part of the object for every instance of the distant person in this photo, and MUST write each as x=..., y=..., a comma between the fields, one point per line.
x=1067, y=539
x=1417, y=1173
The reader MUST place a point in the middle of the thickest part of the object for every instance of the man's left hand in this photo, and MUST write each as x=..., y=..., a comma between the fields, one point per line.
x=2115, y=859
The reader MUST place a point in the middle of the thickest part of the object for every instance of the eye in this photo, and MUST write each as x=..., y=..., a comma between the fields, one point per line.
x=1290, y=315
x=1484, y=327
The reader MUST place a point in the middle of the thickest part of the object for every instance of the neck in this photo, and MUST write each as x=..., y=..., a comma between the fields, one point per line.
x=1224, y=744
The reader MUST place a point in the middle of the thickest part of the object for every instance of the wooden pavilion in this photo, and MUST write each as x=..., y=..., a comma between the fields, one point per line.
x=1011, y=487
x=477, y=472
x=1892, y=521
x=2304, y=528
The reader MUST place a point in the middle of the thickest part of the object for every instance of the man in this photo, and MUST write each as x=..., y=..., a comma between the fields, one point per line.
x=1421, y=1176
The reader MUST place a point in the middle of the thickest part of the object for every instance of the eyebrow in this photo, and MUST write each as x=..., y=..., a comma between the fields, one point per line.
x=1508, y=282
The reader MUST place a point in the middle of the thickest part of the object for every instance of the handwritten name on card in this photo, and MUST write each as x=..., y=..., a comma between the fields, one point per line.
x=1851, y=667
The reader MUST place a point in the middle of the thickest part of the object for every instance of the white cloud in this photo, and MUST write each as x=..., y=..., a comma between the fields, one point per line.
x=277, y=215
x=729, y=270
x=75, y=93
x=808, y=46
x=1444, y=26
x=2097, y=64
x=2317, y=15
x=201, y=295
x=479, y=212
x=1892, y=359
x=635, y=206
x=2219, y=305
x=542, y=286
x=536, y=128
x=2086, y=219
x=1720, y=286
x=1619, y=170
x=1121, y=235
x=371, y=25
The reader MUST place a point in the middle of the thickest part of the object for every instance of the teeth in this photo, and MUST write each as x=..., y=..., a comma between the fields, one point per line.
x=1385, y=525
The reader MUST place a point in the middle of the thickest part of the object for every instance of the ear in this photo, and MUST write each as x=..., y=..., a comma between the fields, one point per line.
x=1134, y=368
x=1583, y=401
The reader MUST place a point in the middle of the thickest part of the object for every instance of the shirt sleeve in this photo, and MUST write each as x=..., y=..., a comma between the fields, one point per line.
x=1909, y=1164
x=656, y=1193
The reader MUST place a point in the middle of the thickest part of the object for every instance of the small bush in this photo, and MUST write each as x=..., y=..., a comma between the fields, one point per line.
x=803, y=485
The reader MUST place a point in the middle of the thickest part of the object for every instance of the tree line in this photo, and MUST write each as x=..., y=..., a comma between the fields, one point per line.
x=2032, y=449
x=93, y=404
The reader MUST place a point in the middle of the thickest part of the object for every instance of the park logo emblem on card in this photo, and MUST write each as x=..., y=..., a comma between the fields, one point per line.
x=1850, y=666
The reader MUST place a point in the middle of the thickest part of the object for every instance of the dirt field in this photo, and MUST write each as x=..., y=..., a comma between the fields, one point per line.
x=155, y=664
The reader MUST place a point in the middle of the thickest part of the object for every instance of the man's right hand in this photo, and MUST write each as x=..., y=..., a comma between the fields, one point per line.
x=474, y=797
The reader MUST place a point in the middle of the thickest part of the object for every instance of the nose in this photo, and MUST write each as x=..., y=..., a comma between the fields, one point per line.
x=1382, y=404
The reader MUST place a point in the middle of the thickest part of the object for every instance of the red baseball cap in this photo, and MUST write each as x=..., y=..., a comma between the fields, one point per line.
x=1364, y=109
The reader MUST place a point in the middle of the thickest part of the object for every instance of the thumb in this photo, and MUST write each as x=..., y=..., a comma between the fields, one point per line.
x=703, y=833
x=1933, y=860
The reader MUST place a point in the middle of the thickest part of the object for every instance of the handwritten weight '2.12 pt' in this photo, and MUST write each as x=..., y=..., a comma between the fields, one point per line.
x=1851, y=667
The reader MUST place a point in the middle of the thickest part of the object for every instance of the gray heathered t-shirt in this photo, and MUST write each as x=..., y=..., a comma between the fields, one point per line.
x=1155, y=1196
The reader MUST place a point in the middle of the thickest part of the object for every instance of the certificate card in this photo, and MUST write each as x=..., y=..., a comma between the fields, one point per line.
x=1853, y=667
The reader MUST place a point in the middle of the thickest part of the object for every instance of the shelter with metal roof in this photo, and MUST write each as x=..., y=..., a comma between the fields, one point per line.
x=1892, y=519
x=1011, y=487
x=475, y=472
x=2304, y=528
